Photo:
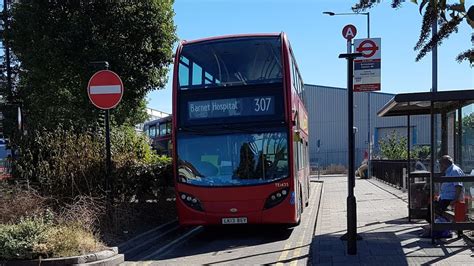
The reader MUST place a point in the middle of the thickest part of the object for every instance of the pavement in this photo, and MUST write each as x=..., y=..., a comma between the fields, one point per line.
x=387, y=236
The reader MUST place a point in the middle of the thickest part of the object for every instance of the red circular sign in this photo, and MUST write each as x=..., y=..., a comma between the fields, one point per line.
x=105, y=89
x=349, y=32
x=368, y=48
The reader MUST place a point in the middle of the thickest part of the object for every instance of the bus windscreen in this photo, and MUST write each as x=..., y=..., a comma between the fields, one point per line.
x=230, y=62
x=232, y=159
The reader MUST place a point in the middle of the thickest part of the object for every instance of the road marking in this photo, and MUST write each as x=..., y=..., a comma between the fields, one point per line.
x=179, y=240
x=298, y=246
x=284, y=253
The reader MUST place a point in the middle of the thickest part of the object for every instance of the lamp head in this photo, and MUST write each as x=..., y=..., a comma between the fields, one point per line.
x=329, y=13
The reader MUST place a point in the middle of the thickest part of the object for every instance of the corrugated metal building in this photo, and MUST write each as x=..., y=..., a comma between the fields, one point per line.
x=327, y=110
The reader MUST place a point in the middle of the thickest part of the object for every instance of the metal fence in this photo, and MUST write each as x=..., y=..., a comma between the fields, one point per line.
x=390, y=171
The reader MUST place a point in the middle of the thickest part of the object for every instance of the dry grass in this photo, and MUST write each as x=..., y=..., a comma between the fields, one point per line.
x=84, y=211
x=71, y=240
x=16, y=203
x=334, y=169
x=32, y=226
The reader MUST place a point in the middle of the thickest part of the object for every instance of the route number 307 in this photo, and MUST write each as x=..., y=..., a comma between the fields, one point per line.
x=262, y=104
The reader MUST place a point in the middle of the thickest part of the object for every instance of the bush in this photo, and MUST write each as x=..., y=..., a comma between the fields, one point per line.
x=36, y=237
x=62, y=163
x=65, y=164
x=69, y=231
x=21, y=240
x=16, y=203
x=394, y=147
x=69, y=240
x=421, y=152
x=139, y=173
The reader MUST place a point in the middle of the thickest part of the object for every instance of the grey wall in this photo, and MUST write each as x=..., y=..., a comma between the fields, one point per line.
x=327, y=111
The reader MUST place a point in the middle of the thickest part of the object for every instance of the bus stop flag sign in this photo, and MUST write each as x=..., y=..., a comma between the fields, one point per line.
x=349, y=32
x=367, y=68
x=105, y=89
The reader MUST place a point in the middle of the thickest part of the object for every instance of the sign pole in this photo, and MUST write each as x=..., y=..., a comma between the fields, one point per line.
x=105, y=90
x=108, y=160
x=108, y=154
x=351, y=234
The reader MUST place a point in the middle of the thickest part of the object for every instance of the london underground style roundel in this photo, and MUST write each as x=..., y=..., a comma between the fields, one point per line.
x=105, y=89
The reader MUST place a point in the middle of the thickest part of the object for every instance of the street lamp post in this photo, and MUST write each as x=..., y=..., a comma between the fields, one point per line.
x=368, y=93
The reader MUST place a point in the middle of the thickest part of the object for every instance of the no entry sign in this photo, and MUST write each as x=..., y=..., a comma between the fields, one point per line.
x=105, y=89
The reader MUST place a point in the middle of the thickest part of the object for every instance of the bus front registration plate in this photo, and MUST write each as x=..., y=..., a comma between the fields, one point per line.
x=238, y=220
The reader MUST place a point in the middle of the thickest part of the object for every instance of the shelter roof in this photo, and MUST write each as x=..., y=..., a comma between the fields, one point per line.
x=420, y=103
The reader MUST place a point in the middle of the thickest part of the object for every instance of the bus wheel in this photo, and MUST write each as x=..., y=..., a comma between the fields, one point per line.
x=300, y=208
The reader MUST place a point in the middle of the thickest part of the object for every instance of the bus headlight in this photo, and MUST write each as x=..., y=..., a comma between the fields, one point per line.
x=276, y=198
x=191, y=201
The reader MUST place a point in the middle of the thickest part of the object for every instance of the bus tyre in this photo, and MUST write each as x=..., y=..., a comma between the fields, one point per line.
x=300, y=208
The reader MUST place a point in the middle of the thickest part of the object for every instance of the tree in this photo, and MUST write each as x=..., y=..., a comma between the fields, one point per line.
x=394, y=147
x=56, y=41
x=449, y=15
x=468, y=128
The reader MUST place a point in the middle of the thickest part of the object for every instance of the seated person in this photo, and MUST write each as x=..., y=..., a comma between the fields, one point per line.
x=363, y=169
x=450, y=192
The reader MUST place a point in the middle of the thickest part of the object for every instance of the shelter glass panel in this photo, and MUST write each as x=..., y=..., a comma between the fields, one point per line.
x=467, y=140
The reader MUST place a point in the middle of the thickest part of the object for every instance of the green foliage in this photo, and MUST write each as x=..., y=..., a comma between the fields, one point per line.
x=65, y=240
x=19, y=241
x=139, y=172
x=468, y=123
x=35, y=237
x=421, y=152
x=394, y=147
x=55, y=41
x=447, y=14
x=64, y=163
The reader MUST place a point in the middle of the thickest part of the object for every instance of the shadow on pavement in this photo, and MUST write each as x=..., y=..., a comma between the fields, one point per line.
x=388, y=242
x=216, y=239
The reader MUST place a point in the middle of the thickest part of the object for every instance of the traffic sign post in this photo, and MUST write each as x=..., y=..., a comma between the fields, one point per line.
x=105, y=90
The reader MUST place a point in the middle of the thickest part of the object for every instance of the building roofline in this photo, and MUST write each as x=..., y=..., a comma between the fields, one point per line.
x=344, y=89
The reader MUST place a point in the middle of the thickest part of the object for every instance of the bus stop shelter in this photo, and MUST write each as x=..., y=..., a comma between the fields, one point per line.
x=451, y=132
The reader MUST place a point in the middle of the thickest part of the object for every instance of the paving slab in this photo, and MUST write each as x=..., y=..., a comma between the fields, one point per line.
x=382, y=222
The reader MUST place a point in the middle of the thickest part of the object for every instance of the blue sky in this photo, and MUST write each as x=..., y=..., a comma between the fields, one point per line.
x=317, y=40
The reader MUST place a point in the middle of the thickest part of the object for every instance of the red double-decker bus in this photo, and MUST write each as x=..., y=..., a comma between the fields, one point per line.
x=159, y=132
x=240, y=131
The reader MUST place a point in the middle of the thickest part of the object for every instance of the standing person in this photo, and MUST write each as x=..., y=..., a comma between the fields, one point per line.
x=450, y=192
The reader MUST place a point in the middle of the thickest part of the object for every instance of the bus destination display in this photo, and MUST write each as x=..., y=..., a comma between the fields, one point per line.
x=233, y=107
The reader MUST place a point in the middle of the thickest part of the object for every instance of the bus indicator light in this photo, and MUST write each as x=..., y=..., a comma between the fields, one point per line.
x=292, y=198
